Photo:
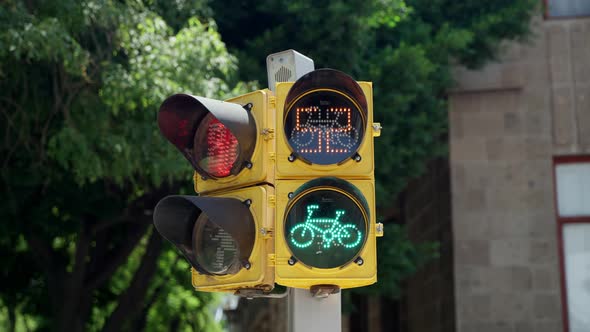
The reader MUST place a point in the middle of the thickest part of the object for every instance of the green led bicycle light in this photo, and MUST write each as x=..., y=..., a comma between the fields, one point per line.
x=326, y=223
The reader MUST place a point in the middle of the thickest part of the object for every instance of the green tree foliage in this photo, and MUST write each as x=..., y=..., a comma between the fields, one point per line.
x=83, y=162
x=406, y=49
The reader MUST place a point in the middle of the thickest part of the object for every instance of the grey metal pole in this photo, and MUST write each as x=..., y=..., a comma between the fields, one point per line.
x=306, y=313
x=310, y=314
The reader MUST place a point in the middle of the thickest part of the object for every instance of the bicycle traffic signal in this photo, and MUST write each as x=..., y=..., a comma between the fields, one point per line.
x=229, y=144
x=224, y=233
x=325, y=220
x=324, y=119
x=297, y=207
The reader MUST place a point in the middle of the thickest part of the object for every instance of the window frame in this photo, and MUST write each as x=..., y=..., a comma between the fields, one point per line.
x=561, y=222
x=546, y=15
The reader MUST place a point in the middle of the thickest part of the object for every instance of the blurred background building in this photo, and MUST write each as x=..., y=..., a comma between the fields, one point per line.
x=510, y=206
x=520, y=181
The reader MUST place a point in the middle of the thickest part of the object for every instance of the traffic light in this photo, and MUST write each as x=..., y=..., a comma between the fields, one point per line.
x=229, y=144
x=324, y=183
x=225, y=233
x=286, y=186
x=325, y=125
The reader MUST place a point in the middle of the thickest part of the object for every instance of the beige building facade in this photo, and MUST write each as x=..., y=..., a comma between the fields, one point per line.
x=510, y=206
x=520, y=185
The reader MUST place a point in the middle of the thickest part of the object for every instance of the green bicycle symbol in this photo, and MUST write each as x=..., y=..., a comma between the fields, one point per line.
x=329, y=231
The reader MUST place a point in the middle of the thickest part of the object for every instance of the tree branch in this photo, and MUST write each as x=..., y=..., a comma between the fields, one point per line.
x=43, y=252
x=44, y=257
x=127, y=308
x=73, y=286
x=106, y=224
x=134, y=214
x=140, y=322
x=118, y=258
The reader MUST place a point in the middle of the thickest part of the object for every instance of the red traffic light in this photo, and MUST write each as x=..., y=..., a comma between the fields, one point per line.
x=216, y=137
x=216, y=148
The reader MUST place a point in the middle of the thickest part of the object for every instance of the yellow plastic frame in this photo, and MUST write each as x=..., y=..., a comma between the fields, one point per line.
x=301, y=276
x=299, y=169
x=261, y=273
x=262, y=170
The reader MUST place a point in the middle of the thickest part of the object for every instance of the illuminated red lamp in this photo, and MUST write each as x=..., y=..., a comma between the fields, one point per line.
x=216, y=137
x=220, y=152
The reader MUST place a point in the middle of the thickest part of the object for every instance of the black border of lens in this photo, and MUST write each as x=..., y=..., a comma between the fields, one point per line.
x=338, y=185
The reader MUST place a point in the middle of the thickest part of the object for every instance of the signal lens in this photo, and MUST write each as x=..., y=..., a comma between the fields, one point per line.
x=324, y=127
x=216, y=251
x=325, y=228
x=216, y=149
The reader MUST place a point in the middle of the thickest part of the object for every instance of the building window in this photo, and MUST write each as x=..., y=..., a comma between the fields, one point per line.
x=572, y=179
x=567, y=8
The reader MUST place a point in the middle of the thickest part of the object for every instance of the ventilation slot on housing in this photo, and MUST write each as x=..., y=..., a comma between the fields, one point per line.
x=283, y=75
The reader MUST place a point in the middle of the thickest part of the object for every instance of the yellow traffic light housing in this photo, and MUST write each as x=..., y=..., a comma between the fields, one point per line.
x=223, y=236
x=325, y=218
x=311, y=155
x=260, y=167
x=260, y=273
x=229, y=144
x=325, y=127
x=326, y=233
x=225, y=233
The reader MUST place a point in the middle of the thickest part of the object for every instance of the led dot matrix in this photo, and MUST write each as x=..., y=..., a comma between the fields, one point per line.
x=324, y=127
x=325, y=231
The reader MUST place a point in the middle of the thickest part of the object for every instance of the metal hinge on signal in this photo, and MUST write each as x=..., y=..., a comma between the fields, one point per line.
x=272, y=199
x=271, y=259
x=266, y=233
x=272, y=101
x=377, y=129
x=378, y=229
x=267, y=133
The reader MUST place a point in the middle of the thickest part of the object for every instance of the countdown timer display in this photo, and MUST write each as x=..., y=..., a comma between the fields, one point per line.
x=324, y=127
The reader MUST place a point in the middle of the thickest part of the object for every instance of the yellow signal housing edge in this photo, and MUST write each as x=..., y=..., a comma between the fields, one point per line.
x=263, y=168
x=300, y=275
x=260, y=276
x=349, y=169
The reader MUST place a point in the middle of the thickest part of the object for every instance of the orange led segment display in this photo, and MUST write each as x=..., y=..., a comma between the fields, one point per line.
x=324, y=127
x=327, y=130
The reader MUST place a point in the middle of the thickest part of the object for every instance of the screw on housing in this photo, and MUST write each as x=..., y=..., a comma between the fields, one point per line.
x=290, y=195
x=292, y=261
x=248, y=202
x=357, y=157
x=359, y=261
x=291, y=157
x=248, y=164
x=248, y=107
x=247, y=265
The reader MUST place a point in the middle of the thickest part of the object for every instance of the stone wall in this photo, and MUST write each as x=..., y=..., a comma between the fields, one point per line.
x=507, y=122
x=428, y=303
x=499, y=268
x=258, y=315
